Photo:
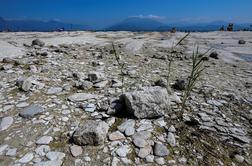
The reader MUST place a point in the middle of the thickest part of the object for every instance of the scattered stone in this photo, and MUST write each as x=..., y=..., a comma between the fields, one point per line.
x=75, y=150
x=172, y=129
x=54, y=90
x=180, y=84
x=241, y=42
x=45, y=140
x=78, y=97
x=3, y=148
x=55, y=156
x=148, y=103
x=31, y=111
x=171, y=139
x=96, y=76
x=5, y=123
x=38, y=42
x=101, y=84
x=214, y=55
x=42, y=150
x=140, y=142
x=150, y=158
x=47, y=163
x=90, y=107
x=160, y=160
x=161, y=82
x=91, y=133
x=239, y=158
x=123, y=151
x=160, y=150
x=11, y=152
x=115, y=136
x=24, y=83
x=26, y=158
x=145, y=151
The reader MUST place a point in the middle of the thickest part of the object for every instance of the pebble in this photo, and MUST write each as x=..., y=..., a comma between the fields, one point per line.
x=5, y=123
x=49, y=163
x=26, y=158
x=150, y=158
x=75, y=150
x=45, y=140
x=145, y=151
x=123, y=151
x=55, y=156
x=90, y=107
x=11, y=152
x=160, y=150
x=31, y=111
x=160, y=160
x=115, y=136
x=239, y=158
x=171, y=139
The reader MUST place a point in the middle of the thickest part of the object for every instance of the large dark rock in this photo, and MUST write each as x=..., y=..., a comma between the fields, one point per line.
x=38, y=42
x=151, y=102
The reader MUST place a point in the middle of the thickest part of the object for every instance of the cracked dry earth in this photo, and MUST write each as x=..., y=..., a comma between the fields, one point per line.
x=61, y=101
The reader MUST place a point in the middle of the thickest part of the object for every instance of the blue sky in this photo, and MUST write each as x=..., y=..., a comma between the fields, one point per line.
x=107, y=12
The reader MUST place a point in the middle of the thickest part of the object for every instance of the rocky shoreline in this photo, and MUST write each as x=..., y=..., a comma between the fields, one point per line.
x=62, y=103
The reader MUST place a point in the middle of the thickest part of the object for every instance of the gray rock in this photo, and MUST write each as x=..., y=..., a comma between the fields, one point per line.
x=38, y=42
x=127, y=127
x=3, y=148
x=5, y=123
x=90, y=107
x=91, y=133
x=85, y=85
x=161, y=82
x=24, y=83
x=11, y=152
x=239, y=158
x=75, y=150
x=160, y=160
x=101, y=84
x=148, y=103
x=115, y=136
x=123, y=151
x=26, y=158
x=55, y=156
x=145, y=151
x=150, y=158
x=42, y=150
x=129, y=131
x=54, y=90
x=171, y=139
x=47, y=163
x=45, y=140
x=172, y=129
x=96, y=76
x=160, y=150
x=78, y=97
x=31, y=111
x=140, y=142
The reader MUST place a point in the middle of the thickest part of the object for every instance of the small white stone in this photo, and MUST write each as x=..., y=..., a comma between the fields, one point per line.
x=87, y=159
x=26, y=158
x=6, y=122
x=45, y=140
x=75, y=150
x=11, y=152
x=55, y=156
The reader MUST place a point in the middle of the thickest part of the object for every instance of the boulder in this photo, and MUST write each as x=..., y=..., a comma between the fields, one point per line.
x=38, y=42
x=151, y=102
x=241, y=42
x=91, y=133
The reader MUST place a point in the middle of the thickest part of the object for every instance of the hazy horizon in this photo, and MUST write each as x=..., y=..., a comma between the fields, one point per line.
x=99, y=13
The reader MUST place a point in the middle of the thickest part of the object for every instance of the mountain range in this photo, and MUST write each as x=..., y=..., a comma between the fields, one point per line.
x=129, y=24
x=35, y=25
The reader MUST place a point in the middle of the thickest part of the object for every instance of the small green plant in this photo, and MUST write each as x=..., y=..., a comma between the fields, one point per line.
x=196, y=71
x=120, y=64
x=171, y=58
